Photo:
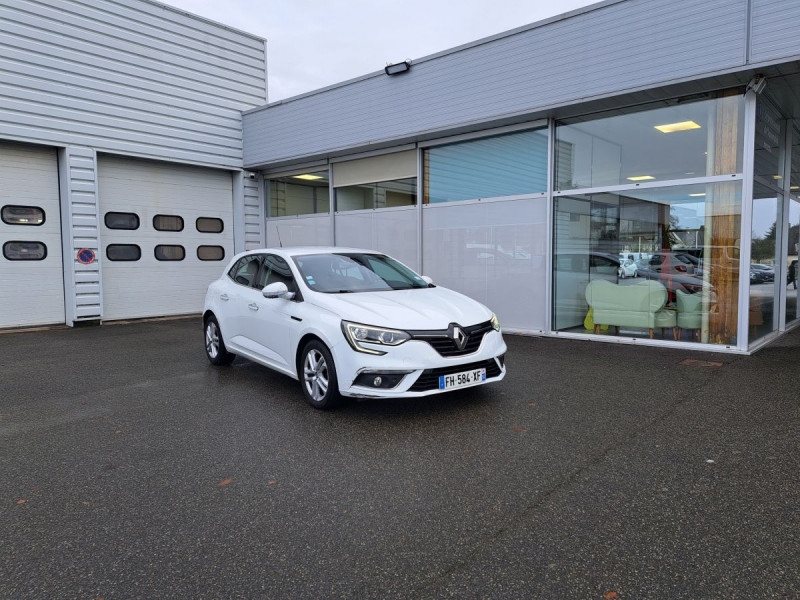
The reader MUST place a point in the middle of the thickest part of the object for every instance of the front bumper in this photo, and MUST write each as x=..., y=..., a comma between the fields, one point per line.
x=420, y=365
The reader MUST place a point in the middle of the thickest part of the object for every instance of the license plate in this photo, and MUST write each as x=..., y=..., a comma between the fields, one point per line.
x=459, y=380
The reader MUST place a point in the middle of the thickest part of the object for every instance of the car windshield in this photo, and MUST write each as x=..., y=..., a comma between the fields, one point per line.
x=346, y=272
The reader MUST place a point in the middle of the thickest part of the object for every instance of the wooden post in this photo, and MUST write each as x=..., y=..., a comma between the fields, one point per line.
x=723, y=225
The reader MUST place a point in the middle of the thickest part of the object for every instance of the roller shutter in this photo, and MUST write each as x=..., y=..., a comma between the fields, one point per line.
x=31, y=269
x=166, y=231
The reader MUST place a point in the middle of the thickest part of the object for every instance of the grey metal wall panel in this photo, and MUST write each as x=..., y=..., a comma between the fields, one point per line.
x=127, y=76
x=254, y=221
x=774, y=29
x=610, y=49
x=82, y=283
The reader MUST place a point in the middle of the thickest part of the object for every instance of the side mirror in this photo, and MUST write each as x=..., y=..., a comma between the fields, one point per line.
x=427, y=280
x=277, y=290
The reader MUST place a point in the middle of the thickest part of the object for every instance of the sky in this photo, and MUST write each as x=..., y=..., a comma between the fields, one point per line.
x=316, y=43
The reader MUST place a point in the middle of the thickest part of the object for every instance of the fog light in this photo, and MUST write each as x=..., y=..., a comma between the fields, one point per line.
x=382, y=380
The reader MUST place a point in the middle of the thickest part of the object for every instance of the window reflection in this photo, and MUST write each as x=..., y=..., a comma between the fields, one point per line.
x=767, y=208
x=385, y=194
x=682, y=242
x=302, y=194
x=792, y=246
x=679, y=141
x=492, y=167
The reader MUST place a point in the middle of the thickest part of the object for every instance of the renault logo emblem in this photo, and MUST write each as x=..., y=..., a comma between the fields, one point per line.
x=458, y=335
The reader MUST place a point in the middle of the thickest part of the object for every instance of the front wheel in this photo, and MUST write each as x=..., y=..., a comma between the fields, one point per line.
x=215, y=346
x=318, y=376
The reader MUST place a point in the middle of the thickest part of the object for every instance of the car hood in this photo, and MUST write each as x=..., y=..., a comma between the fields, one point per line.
x=426, y=308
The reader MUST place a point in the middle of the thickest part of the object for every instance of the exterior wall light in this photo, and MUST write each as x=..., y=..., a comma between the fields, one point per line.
x=397, y=68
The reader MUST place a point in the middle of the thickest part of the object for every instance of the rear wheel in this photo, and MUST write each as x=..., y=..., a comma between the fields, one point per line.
x=318, y=376
x=215, y=346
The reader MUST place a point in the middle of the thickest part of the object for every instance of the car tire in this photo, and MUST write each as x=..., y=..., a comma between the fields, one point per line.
x=215, y=346
x=318, y=376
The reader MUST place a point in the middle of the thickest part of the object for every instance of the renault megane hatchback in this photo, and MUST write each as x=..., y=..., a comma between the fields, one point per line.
x=348, y=322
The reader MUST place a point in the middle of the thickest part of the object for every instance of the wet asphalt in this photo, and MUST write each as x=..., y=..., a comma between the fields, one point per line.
x=132, y=468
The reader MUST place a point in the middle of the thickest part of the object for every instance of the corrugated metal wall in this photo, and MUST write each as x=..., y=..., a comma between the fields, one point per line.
x=608, y=50
x=127, y=76
x=774, y=29
x=253, y=220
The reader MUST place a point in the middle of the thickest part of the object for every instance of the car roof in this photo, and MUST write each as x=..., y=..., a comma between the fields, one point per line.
x=287, y=251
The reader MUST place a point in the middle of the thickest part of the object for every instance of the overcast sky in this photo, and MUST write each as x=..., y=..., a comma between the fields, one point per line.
x=315, y=43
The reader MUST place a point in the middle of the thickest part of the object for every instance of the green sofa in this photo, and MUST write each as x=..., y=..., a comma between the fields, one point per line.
x=639, y=304
x=691, y=310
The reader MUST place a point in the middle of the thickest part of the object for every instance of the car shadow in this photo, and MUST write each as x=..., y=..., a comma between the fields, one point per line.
x=278, y=389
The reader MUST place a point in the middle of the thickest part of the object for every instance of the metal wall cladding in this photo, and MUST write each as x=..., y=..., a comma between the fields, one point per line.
x=253, y=215
x=774, y=27
x=610, y=49
x=127, y=76
x=304, y=230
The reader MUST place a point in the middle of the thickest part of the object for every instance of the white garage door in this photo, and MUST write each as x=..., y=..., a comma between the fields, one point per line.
x=31, y=271
x=166, y=231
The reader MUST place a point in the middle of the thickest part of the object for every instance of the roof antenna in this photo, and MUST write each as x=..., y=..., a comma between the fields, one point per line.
x=278, y=230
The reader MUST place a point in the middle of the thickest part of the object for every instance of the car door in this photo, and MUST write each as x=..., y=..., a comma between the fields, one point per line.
x=234, y=315
x=272, y=323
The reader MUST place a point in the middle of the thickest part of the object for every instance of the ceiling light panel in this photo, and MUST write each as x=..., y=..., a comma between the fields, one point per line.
x=673, y=127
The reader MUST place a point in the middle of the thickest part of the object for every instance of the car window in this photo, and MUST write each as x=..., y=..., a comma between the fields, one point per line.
x=245, y=270
x=356, y=272
x=276, y=270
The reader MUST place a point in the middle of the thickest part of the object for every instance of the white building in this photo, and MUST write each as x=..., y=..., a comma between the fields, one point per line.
x=519, y=169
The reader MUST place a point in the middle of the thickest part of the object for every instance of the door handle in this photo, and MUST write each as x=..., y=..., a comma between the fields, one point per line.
x=252, y=306
x=223, y=297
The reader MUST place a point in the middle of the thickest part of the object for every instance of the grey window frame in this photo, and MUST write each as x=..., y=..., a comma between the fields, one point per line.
x=210, y=246
x=171, y=217
x=117, y=212
x=221, y=223
x=24, y=242
x=124, y=259
x=157, y=246
x=39, y=208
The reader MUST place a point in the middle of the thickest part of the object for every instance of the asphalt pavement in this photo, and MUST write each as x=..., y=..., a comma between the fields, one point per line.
x=132, y=468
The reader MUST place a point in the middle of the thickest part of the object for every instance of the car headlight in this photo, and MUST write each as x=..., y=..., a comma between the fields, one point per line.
x=495, y=322
x=358, y=335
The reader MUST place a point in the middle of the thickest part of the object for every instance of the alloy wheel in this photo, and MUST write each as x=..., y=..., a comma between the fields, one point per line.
x=212, y=339
x=315, y=375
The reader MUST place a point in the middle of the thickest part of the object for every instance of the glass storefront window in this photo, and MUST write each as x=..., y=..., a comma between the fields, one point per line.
x=302, y=194
x=661, y=263
x=492, y=167
x=764, y=260
x=794, y=185
x=792, y=248
x=679, y=141
x=769, y=143
x=384, y=194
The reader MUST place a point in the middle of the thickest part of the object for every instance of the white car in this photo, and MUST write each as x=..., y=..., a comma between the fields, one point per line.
x=627, y=268
x=349, y=322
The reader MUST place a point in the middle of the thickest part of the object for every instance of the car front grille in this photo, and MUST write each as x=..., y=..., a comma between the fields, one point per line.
x=447, y=347
x=429, y=379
